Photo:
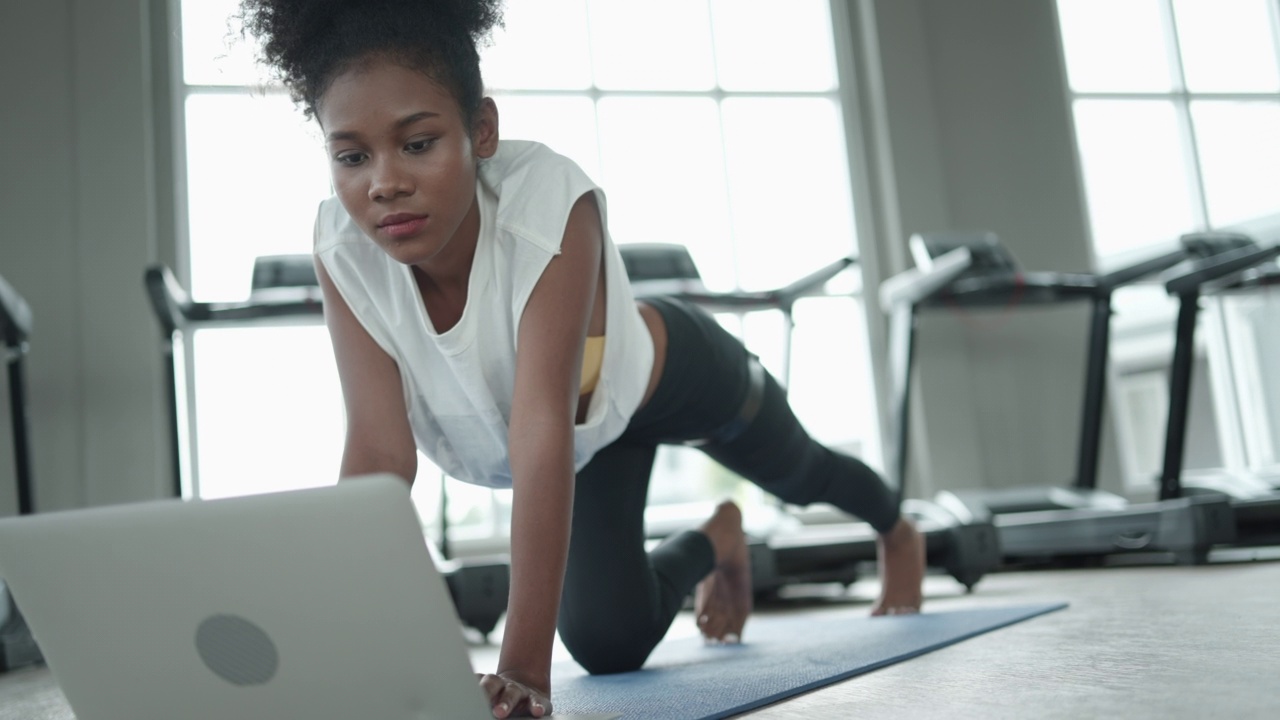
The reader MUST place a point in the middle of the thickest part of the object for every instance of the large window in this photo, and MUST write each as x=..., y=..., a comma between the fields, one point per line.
x=1177, y=118
x=1177, y=109
x=677, y=105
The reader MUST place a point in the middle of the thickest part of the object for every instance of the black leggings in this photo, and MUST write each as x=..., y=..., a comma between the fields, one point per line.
x=618, y=600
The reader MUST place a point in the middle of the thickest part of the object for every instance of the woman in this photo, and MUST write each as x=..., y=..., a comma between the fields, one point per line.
x=480, y=313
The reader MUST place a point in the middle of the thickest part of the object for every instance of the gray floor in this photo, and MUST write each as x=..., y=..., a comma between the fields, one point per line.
x=1137, y=642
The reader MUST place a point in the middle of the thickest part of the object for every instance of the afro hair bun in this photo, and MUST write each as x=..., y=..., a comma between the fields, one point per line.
x=308, y=42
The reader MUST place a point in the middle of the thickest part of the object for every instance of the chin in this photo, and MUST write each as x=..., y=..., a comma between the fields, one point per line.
x=409, y=252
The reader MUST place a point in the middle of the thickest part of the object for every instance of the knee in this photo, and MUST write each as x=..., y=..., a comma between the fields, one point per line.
x=605, y=653
x=801, y=481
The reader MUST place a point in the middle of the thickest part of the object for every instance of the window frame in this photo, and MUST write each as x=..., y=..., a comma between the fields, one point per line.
x=841, y=95
x=1181, y=98
x=1142, y=342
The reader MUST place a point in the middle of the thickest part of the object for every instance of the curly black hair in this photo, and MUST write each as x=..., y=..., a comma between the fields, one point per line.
x=309, y=43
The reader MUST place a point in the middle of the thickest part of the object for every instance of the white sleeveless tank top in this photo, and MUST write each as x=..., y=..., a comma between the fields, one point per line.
x=458, y=385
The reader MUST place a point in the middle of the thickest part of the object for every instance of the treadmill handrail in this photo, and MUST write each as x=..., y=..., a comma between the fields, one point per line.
x=790, y=293
x=1140, y=270
x=913, y=286
x=15, y=315
x=1259, y=276
x=176, y=310
x=740, y=301
x=1217, y=267
x=168, y=298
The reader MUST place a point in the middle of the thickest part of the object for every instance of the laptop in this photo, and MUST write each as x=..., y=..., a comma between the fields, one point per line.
x=321, y=603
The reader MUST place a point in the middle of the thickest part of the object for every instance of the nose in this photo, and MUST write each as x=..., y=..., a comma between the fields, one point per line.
x=389, y=181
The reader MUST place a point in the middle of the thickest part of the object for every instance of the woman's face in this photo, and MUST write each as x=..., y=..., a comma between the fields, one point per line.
x=403, y=161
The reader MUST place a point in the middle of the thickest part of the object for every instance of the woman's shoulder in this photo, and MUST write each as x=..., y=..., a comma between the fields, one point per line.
x=535, y=188
x=350, y=258
x=334, y=228
x=515, y=157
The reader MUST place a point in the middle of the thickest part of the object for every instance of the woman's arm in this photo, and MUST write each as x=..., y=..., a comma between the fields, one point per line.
x=548, y=367
x=378, y=434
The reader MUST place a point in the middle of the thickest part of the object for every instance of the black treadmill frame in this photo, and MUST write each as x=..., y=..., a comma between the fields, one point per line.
x=17, y=646
x=1256, y=517
x=1186, y=528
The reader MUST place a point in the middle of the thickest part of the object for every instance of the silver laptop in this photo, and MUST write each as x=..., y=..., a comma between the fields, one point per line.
x=311, y=604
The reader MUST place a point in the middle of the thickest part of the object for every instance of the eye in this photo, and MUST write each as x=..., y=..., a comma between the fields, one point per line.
x=419, y=146
x=350, y=159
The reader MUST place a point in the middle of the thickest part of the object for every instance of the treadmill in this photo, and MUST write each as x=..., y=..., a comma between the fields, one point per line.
x=285, y=289
x=1227, y=262
x=823, y=547
x=1050, y=524
x=17, y=646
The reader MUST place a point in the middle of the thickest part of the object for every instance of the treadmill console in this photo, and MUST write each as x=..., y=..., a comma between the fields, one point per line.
x=1203, y=245
x=284, y=278
x=989, y=257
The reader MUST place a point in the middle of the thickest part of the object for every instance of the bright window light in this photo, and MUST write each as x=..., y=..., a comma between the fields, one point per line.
x=664, y=173
x=1239, y=145
x=212, y=51
x=1115, y=45
x=1134, y=172
x=792, y=207
x=752, y=39
x=651, y=45
x=267, y=420
x=1227, y=45
x=255, y=175
x=542, y=45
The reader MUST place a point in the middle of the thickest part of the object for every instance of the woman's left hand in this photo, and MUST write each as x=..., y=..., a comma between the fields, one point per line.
x=512, y=696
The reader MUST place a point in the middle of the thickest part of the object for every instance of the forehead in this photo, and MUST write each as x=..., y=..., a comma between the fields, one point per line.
x=375, y=94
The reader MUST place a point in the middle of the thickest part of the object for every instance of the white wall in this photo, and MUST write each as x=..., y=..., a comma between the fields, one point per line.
x=78, y=226
x=967, y=111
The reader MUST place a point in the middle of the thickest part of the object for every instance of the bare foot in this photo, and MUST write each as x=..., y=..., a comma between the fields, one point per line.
x=723, y=600
x=901, y=554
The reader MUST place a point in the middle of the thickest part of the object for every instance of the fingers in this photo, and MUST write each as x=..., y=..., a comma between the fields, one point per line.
x=508, y=698
x=880, y=611
x=719, y=628
x=711, y=626
x=511, y=701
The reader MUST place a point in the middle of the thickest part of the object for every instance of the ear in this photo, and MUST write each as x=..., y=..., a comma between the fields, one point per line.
x=484, y=132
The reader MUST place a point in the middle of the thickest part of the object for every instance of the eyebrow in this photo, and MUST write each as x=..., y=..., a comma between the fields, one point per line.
x=401, y=123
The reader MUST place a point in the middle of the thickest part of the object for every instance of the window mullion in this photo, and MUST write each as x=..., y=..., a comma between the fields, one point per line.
x=1274, y=12
x=1186, y=127
x=718, y=95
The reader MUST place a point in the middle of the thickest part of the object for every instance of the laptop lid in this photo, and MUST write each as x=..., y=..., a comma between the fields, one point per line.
x=318, y=603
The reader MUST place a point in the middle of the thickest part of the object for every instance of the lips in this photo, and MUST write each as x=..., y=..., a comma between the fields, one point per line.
x=399, y=219
x=402, y=225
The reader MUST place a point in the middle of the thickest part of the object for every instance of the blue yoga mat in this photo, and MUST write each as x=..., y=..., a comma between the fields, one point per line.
x=784, y=655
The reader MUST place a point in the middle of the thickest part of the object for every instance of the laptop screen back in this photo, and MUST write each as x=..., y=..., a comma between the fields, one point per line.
x=317, y=603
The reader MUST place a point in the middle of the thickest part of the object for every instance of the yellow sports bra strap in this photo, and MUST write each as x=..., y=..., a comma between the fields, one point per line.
x=592, y=359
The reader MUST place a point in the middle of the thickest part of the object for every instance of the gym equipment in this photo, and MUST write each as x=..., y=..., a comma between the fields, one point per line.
x=832, y=548
x=1225, y=262
x=285, y=288
x=1049, y=523
x=668, y=270
x=17, y=647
